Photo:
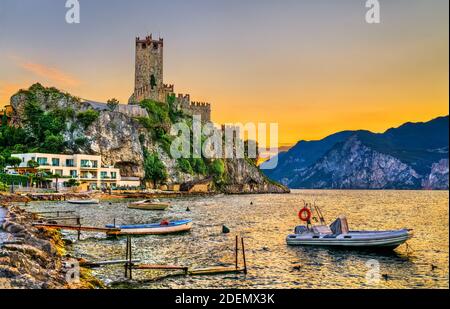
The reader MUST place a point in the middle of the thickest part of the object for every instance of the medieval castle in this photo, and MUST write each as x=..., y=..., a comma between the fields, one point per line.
x=149, y=80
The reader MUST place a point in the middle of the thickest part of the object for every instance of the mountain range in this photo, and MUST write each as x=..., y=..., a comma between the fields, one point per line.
x=412, y=156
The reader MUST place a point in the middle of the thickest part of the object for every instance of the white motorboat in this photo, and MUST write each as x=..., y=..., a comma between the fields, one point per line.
x=339, y=235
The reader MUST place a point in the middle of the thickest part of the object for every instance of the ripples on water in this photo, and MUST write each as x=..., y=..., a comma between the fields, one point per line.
x=264, y=225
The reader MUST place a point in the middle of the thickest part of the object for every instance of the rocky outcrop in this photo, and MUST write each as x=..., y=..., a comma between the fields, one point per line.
x=353, y=165
x=438, y=178
x=120, y=139
x=245, y=178
x=115, y=136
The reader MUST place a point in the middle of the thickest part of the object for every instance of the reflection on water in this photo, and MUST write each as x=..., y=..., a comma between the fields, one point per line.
x=264, y=225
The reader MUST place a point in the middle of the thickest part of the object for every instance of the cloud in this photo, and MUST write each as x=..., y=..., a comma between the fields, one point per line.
x=52, y=75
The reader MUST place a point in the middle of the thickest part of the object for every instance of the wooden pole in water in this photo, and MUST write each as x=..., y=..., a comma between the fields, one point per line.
x=126, y=258
x=243, y=255
x=236, y=251
x=130, y=261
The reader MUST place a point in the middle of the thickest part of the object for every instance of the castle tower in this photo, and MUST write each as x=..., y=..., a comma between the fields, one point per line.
x=149, y=71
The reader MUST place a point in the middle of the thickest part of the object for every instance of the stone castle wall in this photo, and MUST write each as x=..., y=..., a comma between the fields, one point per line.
x=149, y=80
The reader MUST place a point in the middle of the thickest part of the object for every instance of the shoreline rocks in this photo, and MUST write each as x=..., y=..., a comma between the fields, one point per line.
x=34, y=258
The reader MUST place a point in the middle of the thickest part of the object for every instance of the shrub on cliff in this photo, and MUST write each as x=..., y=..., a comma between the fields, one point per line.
x=158, y=113
x=185, y=166
x=112, y=104
x=88, y=117
x=217, y=170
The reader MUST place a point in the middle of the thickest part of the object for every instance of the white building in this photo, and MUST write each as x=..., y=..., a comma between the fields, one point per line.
x=84, y=168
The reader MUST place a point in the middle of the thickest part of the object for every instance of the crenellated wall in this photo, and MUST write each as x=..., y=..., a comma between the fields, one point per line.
x=149, y=80
x=183, y=102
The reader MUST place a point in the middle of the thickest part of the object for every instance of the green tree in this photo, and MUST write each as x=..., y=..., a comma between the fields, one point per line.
x=199, y=166
x=86, y=118
x=2, y=163
x=185, y=166
x=112, y=104
x=13, y=161
x=217, y=170
x=53, y=143
x=154, y=168
x=32, y=164
x=71, y=183
x=4, y=119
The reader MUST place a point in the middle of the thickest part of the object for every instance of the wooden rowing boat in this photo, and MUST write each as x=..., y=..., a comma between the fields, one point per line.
x=152, y=229
x=149, y=205
x=84, y=202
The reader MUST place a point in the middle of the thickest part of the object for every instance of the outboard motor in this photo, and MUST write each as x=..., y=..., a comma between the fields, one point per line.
x=300, y=229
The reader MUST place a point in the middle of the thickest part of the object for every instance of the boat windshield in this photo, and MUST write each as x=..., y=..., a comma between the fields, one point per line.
x=340, y=226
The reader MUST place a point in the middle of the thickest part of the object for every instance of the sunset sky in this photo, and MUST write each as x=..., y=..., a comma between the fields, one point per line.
x=313, y=66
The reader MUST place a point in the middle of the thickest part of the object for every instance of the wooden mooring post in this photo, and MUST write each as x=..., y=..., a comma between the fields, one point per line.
x=236, y=251
x=128, y=259
x=187, y=271
x=243, y=255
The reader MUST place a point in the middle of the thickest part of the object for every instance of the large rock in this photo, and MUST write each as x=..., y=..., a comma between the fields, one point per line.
x=244, y=177
x=438, y=178
x=115, y=137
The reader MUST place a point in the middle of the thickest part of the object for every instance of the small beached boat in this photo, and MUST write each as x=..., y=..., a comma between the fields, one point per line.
x=164, y=227
x=84, y=202
x=339, y=235
x=149, y=205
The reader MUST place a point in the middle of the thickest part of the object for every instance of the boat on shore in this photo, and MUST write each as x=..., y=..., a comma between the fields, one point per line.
x=149, y=205
x=161, y=228
x=84, y=202
x=339, y=235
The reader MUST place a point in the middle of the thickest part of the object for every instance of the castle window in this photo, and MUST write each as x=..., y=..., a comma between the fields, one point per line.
x=152, y=81
x=155, y=45
x=144, y=45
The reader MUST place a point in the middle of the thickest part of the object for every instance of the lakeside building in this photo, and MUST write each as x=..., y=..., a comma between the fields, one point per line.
x=86, y=169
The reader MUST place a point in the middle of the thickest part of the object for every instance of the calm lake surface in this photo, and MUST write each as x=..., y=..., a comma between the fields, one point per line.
x=264, y=226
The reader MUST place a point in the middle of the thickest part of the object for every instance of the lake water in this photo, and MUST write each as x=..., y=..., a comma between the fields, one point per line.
x=264, y=226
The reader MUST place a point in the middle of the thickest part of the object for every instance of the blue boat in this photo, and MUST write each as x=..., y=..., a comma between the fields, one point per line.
x=164, y=227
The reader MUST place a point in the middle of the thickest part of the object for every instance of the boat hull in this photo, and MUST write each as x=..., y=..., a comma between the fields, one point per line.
x=83, y=202
x=154, y=229
x=149, y=206
x=355, y=239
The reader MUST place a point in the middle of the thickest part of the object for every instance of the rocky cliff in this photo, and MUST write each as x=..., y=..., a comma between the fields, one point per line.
x=352, y=165
x=438, y=178
x=120, y=139
x=412, y=156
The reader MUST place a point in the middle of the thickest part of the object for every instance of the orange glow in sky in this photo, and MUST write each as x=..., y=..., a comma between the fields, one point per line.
x=313, y=69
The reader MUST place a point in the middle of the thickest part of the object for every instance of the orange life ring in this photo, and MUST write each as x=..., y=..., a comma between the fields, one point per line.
x=305, y=214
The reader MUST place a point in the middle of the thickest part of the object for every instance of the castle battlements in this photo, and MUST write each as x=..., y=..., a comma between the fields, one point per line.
x=149, y=80
x=169, y=87
x=182, y=96
x=149, y=39
x=200, y=104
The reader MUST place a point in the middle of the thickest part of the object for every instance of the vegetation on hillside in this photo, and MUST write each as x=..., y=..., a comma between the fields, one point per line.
x=43, y=130
x=154, y=168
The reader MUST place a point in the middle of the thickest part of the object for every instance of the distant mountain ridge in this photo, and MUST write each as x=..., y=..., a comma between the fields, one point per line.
x=412, y=156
